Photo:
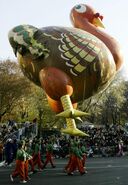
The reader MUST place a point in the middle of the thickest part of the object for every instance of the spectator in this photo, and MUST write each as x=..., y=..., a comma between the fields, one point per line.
x=120, y=148
x=8, y=152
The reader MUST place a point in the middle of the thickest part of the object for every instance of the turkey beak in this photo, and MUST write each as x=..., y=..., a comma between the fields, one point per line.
x=97, y=22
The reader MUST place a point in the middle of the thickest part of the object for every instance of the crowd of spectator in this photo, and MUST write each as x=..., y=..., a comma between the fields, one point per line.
x=13, y=129
x=106, y=141
x=7, y=129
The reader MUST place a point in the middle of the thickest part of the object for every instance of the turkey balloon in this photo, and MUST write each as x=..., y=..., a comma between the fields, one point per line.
x=70, y=64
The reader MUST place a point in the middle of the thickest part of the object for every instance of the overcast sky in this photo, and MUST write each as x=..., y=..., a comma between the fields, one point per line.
x=41, y=13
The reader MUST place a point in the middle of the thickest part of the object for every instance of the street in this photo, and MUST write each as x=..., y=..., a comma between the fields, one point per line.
x=101, y=171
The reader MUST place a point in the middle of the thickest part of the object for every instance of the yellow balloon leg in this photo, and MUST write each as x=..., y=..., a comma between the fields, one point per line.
x=69, y=113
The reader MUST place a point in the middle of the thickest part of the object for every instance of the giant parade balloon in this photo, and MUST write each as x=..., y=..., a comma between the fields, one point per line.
x=70, y=64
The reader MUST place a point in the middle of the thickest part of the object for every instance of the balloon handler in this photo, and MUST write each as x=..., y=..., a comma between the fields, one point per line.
x=37, y=155
x=75, y=160
x=21, y=168
x=49, y=155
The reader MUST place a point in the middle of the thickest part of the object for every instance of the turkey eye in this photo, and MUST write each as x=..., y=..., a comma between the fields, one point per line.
x=96, y=15
x=80, y=8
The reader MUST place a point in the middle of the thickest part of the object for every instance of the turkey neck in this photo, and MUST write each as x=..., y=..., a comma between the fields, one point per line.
x=109, y=41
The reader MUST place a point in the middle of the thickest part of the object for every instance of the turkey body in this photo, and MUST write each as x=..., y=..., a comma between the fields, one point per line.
x=80, y=55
